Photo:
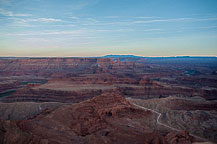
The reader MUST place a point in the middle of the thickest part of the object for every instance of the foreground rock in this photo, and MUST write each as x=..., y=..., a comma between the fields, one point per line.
x=196, y=115
x=182, y=137
x=108, y=118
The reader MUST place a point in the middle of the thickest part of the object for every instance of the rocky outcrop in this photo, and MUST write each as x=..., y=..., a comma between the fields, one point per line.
x=80, y=123
x=87, y=117
x=10, y=133
x=182, y=137
x=107, y=118
x=196, y=115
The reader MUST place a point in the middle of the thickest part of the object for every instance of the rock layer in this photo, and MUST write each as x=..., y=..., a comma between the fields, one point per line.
x=108, y=118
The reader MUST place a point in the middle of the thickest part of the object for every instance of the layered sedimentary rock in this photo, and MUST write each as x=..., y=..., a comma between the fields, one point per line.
x=49, y=67
x=108, y=118
x=182, y=91
x=23, y=110
x=9, y=84
x=79, y=88
x=147, y=79
x=182, y=137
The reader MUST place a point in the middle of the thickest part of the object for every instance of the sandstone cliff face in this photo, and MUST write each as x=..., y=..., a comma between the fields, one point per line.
x=53, y=66
x=79, y=88
x=46, y=95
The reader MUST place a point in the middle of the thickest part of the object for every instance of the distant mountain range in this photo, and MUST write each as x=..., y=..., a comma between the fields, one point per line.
x=121, y=56
x=114, y=56
x=169, y=57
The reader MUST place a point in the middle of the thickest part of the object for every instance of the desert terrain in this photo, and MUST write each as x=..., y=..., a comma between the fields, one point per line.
x=111, y=99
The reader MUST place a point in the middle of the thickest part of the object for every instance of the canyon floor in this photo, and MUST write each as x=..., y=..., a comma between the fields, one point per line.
x=108, y=100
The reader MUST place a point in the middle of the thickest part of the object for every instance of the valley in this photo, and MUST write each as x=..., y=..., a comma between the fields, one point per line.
x=108, y=100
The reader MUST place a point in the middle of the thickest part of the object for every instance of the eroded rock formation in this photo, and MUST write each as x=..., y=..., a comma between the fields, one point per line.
x=108, y=118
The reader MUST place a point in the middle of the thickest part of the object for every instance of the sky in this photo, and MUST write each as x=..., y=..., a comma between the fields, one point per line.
x=74, y=28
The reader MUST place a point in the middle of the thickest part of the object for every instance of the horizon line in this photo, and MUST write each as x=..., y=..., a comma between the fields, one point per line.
x=106, y=55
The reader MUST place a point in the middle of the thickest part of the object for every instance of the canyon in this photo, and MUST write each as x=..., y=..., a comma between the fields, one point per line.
x=108, y=100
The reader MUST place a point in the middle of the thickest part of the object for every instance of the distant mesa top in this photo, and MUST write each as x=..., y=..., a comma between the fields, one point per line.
x=121, y=56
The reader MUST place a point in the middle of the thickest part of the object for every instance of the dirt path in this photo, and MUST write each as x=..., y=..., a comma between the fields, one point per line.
x=158, y=118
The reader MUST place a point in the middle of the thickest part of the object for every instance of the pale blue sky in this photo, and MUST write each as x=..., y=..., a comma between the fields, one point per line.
x=100, y=27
